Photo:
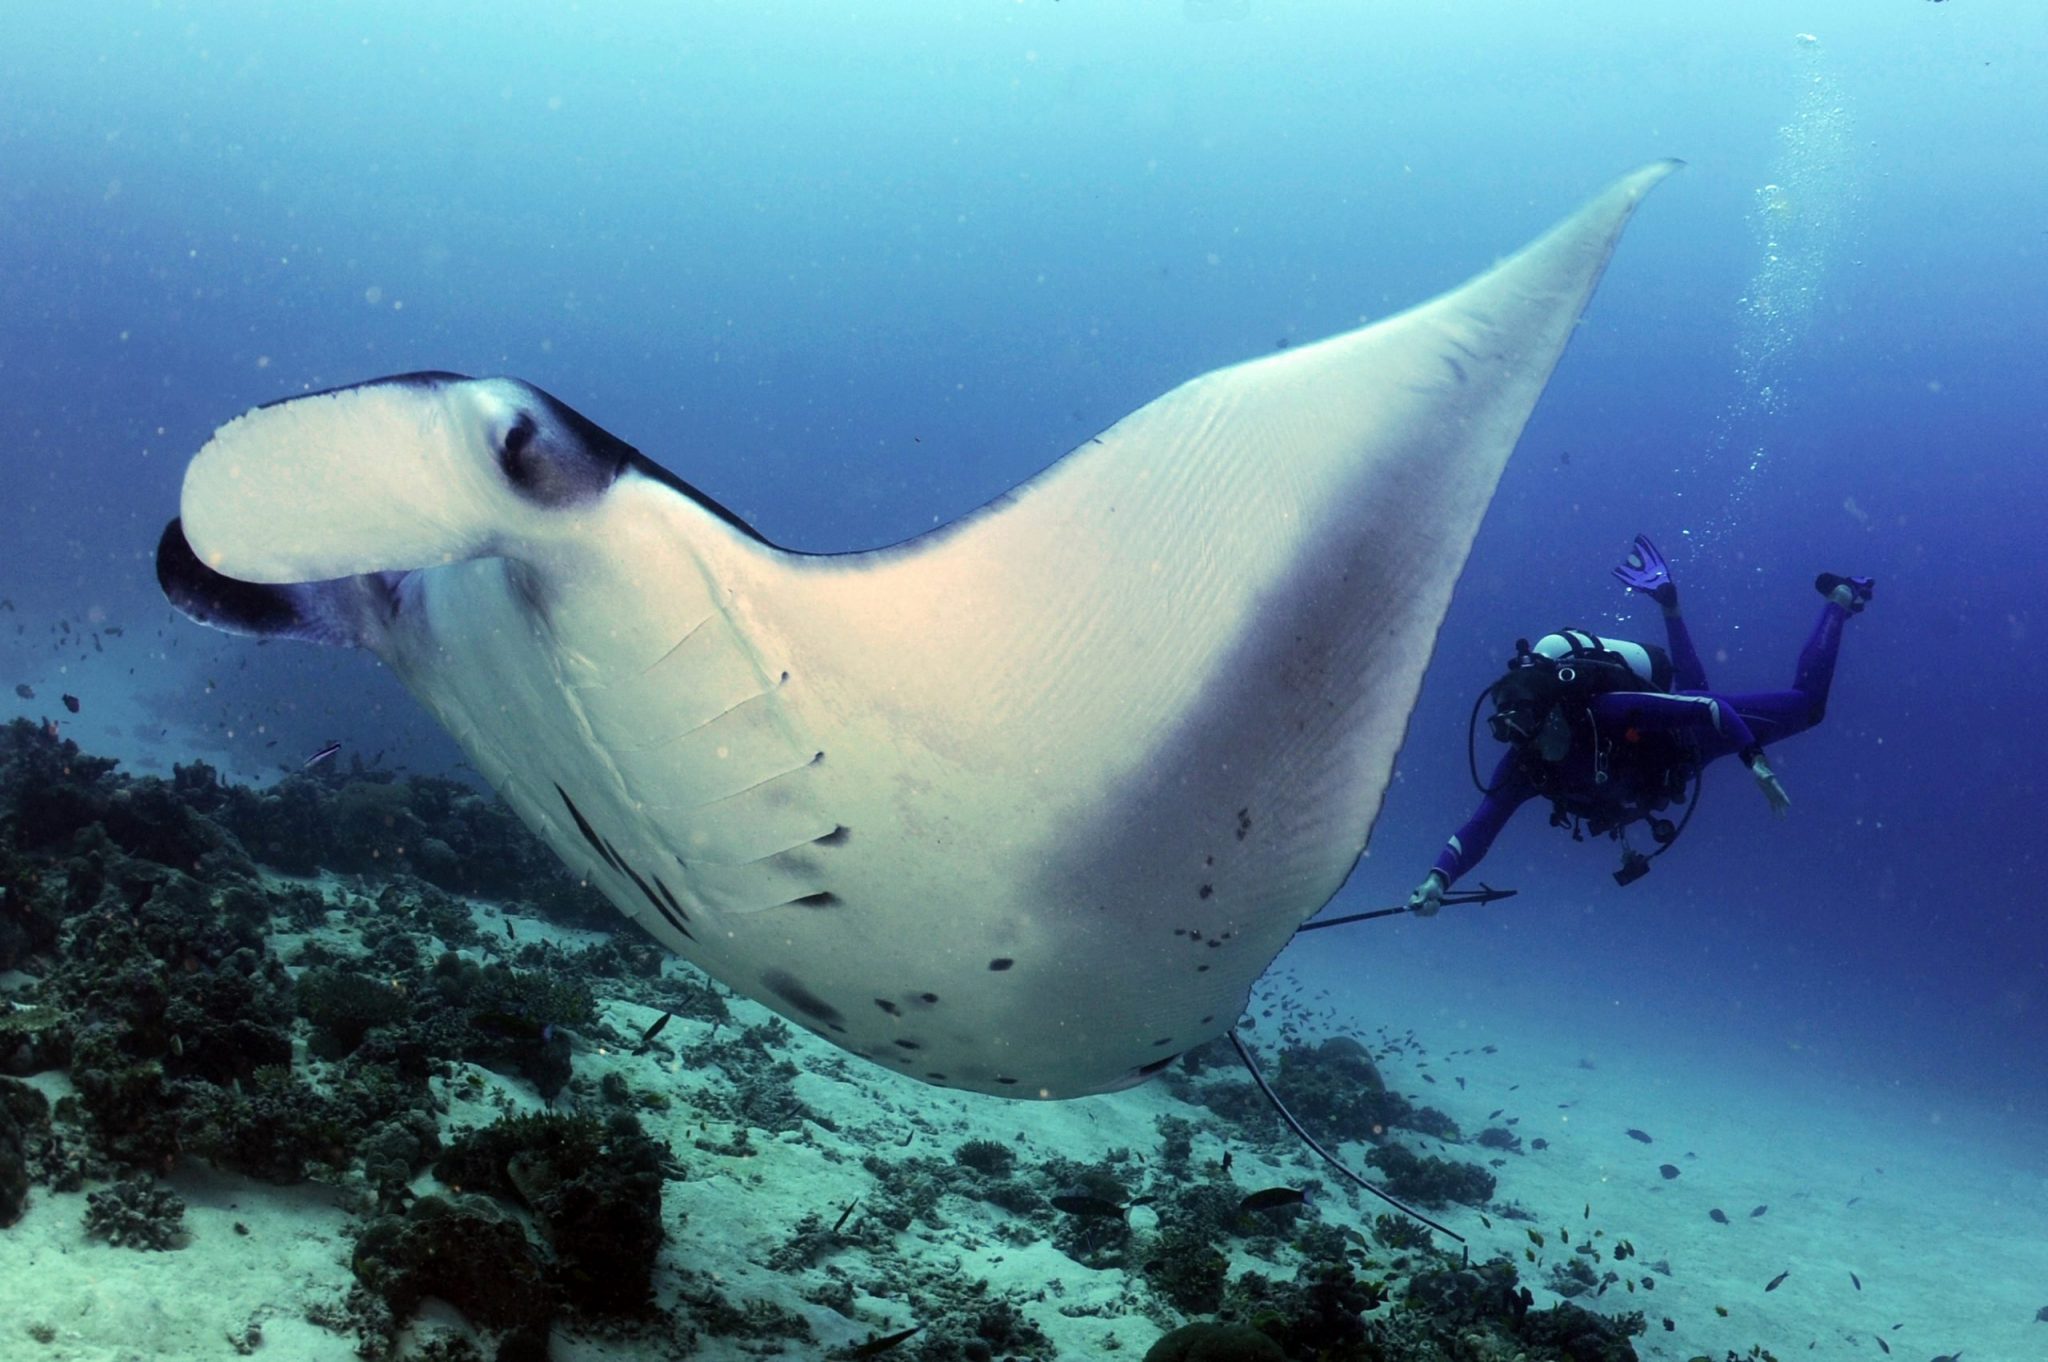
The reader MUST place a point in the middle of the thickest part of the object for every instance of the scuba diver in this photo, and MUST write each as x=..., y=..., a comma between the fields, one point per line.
x=1613, y=732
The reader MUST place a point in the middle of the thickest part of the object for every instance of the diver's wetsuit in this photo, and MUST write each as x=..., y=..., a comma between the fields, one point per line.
x=1713, y=724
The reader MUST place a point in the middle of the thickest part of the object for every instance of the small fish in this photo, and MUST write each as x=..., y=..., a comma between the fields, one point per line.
x=1535, y=1237
x=71, y=703
x=322, y=755
x=25, y=691
x=1494, y=1115
x=1539, y=1143
x=1884, y=1346
x=1669, y=1170
x=1774, y=1283
x=1721, y=1310
x=1226, y=1161
x=1718, y=1216
x=1272, y=1199
x=1638, y=1136
x=647, y=1036
x=1857, y=1282
x=840, y=1223
x=1670, y=1325
x=875, y=1347
x=1758, y=1211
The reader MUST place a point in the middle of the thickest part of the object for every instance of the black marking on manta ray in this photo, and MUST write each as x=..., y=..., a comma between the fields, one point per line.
x=1163, y=1040
x=1456, y=368
x=670, y=897
x=1156, y=1065
x=1001, y=963
x=648, y=468
x=791, y=990
x=888, y=1007
x=597, y=844
x=420, y=378
x=835, y=838
x=660, y=908
x=561, y=459
x=908, y=1045
x=821, y=899
x=675, y=919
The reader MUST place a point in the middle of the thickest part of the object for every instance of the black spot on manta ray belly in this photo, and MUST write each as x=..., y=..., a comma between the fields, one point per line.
x=1001, y=963
x=791, y=990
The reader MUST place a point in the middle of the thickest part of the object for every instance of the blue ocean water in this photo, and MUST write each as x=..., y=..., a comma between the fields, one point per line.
x=854, y=269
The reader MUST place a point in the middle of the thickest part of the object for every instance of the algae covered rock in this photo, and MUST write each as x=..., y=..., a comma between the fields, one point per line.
x=136, y=1213
x=24, y=1113
x=1215, y=1343
x=462, y=1249
x=594, y=1188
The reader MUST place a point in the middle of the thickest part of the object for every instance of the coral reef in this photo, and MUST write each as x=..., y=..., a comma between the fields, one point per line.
x=136, y=1213
x=1429, y=1181
x=463, y=1249
x=144, y=940
x=24, y=1116
x=594, y=1188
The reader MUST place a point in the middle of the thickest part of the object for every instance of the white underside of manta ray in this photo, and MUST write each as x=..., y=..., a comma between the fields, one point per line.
x=1022, y=806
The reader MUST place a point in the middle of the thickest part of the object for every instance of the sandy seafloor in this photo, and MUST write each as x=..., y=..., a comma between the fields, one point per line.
x=1935, y=1217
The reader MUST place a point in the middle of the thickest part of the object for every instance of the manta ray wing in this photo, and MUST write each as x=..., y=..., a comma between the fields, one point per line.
x=1023, y=806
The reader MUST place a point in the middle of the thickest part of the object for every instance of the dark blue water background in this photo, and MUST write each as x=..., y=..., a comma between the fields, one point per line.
x=855, y=268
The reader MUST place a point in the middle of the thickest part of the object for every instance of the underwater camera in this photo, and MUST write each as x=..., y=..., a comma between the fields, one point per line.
x=1634, y=865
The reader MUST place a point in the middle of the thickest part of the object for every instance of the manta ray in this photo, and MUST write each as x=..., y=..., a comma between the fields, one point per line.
x=1023, y=805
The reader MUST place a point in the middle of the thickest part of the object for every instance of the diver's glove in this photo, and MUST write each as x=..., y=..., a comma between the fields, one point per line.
x=1767, y=780
x=1646, y=571
x=1429, y=895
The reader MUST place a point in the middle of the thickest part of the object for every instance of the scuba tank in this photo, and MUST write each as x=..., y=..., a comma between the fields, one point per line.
x=1542, y=707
